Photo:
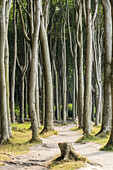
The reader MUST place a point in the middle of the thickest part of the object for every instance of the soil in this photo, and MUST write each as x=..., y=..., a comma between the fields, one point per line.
x=40, y=155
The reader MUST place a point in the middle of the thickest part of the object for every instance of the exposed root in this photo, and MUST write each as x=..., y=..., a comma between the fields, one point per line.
x=5, y=141
x=35, y=140
x=46, y=130
x=102, y=134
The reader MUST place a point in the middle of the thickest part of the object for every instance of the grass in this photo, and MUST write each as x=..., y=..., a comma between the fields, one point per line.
x=58, y=164
x=92, y=138
x=20, y=144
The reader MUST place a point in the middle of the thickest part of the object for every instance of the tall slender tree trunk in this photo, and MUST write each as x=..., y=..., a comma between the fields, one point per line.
x=22, y=100
x=14, y=64
x=110, y=142
x=59, y=98
x=107, y=107
x=64, y=75
x=32, y=99
x=26, y=97
x=37, y=96
x=43, y=102
x=79, y=36
x=88, y=87
x=48, y=126
x=3, y=102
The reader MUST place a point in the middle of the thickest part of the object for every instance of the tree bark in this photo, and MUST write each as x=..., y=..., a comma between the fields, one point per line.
x=107, y=108
x=32, y=99
x=14, y=65
x=48, y=126
x=110, y=142
x=3, y=101
x=88, y=87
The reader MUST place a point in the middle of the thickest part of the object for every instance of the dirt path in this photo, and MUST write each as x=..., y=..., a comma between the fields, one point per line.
x=39, y=155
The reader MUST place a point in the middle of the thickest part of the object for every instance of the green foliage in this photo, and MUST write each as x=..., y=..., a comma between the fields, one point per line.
x=70, y=109
x=17, y=110
x=54, y=108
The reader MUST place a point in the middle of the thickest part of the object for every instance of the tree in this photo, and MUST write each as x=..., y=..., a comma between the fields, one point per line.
x=4, y=105
x=110, y=142
x=14, y=64
x=48, y=125
x=107, y=113
x=88, y=77
x=33, y=71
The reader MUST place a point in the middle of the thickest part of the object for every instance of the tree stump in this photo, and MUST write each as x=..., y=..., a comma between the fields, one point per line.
x=68, y=152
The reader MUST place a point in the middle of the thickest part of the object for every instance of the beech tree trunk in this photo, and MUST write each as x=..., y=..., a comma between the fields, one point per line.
x=110, y=142
x=48, y=126
x=3, y=101
x=32, y=88
x=14, y=64
x=107, y=107
x=88, y=85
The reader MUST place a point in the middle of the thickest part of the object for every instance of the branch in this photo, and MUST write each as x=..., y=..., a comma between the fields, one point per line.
x=95, y=12
x=23, y=24
x=70, y=36
x=84, y=10
x=21, y=68
x=78, y=24
x=24, y=8
x=52, y=22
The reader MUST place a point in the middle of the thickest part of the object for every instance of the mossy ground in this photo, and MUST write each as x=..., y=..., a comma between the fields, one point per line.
x=58, y=163
x=92, y=138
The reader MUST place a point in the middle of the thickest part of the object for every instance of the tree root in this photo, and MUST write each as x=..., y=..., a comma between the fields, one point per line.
x=5, y=141
x=44, y=130
x=103, y=133
x=35, y=140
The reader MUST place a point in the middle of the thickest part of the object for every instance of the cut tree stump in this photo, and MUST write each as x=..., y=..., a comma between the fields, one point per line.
x=68, y=152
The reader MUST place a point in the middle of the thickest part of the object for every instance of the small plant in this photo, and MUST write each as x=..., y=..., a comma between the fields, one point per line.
x=17, y=111
x=70, y=109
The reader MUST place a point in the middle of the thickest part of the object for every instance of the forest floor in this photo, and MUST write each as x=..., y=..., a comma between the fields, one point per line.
x=40, y=155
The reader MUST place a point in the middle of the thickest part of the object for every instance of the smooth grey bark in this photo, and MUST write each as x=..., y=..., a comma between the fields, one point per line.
x=26, y=97
x=33, y=71
x=79, y=36
x=48, y=126
x=88, y=87
x=3, y=101
x=23, y=70
x=75, y=100
x=43, y=102
x=59, y=98
x=110, y=142
x=97, y=60
x=75, y=68
x=107, y=107
x=37, y=95
x=14, y=64
x=6, y=62
x=53, y=54
x=64, y=72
